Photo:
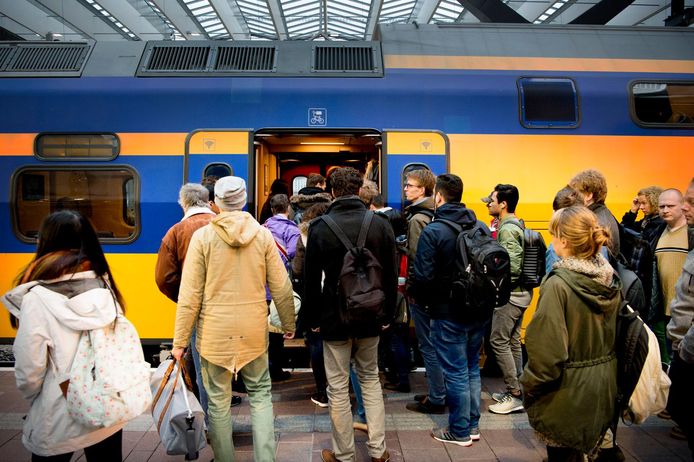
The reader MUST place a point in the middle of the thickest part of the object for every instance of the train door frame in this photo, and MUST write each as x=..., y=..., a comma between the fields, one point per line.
x=239, y=137
x=418, y=151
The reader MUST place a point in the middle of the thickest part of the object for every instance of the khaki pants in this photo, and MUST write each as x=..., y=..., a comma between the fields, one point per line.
x=337, y=355
x=217, y=382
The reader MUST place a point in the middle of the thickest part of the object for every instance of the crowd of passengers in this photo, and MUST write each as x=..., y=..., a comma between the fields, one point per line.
x=237, y=299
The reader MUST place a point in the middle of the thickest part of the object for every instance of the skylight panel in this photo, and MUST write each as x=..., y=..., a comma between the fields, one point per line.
x=396, y=11
x=207, y=17
x=104, y=14
x=348, y=18
x=551, y=12
x=302, y=17
x=257, y=15
x=447, y=12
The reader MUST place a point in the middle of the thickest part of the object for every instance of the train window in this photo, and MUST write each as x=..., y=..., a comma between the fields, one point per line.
x=61, y=146
x=299, y=182
x=108, y=196
x=218, y=170
x=548, y=102
x=663, y=103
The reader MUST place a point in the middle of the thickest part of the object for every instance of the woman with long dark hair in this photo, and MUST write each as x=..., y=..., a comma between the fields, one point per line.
x=66, y=289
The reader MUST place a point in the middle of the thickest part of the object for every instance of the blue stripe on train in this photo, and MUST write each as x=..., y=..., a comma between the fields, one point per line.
x=454, y=101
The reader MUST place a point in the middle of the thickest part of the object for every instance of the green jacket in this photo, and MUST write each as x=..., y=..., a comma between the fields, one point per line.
x=510, y=237
x=570, y=380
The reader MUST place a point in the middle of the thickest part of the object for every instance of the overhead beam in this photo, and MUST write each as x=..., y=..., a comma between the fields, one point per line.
x=230, y=19
x=493, y=11
x=424, y=10
x=278, y=19
x=132, y=19
x=602, y=12
x=372, y=22
x=82, y=18
x=180, y=19
x=41, y=20
x=6, y=35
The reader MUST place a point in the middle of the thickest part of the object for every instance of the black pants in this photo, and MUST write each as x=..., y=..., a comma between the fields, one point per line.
x=563, y=455
x=108, y=450
x=679, y=403
x=276, y=354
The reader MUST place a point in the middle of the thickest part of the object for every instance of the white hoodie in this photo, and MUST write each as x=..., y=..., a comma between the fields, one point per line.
x=50, y=326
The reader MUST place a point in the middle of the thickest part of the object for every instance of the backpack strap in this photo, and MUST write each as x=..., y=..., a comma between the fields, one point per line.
x=365, y=225
x=338, y=231
x=458, y=229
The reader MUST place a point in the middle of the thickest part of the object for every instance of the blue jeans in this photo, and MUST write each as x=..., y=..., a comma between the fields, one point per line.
x=437, y=387
x=314, y=341
x=458, y=348
x=361, y=412
x=198, y=375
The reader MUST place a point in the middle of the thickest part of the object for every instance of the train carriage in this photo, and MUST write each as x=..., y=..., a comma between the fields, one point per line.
x=114, y=129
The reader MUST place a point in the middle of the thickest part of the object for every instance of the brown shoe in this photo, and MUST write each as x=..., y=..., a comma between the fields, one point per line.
x=384, y=458
x=677, y=433
x=326, y=455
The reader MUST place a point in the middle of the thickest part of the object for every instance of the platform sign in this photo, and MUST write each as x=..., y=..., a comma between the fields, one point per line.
x=317, y=117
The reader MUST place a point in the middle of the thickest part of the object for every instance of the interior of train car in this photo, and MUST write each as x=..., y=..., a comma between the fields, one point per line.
x=291, y=155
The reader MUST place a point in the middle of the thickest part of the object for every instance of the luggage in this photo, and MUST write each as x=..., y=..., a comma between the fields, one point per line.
x=177, y=414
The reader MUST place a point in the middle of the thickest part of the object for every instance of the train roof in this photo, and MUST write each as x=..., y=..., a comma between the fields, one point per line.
x=343, y=59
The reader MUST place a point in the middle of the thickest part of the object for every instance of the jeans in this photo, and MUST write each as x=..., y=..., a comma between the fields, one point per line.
x=437, y=387
x=400, y=351
x=314, y=341
x=338, y=355
x=108, y=450
x=198, y=375
x=217, y=381
x=506, y=344
x=458, y=348
x=361, y=412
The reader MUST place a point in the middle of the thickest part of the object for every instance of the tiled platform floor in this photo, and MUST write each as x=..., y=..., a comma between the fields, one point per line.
x=303, y=429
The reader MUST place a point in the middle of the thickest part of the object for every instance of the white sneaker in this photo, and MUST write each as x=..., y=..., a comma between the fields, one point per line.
x=508, y=405
x=499, y=397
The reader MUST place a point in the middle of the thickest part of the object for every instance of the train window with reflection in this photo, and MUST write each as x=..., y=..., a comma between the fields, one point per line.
x=108, y=196
x=70, y=146
x=548, y=102
x=217, y=170
x=298, y=183
x=668, y=104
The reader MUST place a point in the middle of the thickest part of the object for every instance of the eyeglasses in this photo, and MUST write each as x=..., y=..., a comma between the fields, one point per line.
x=410, y=185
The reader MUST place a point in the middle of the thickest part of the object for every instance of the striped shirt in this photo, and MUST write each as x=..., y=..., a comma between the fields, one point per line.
x=671, y=253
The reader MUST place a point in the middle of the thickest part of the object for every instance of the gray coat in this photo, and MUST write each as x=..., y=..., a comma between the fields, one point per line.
x=680, y=329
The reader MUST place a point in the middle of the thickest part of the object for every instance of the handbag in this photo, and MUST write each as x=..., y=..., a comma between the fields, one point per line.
x=177, y=414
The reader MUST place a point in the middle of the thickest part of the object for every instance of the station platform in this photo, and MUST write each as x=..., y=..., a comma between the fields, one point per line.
x=302, y=429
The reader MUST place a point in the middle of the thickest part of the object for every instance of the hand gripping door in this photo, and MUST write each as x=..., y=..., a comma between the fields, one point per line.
x=176, y=412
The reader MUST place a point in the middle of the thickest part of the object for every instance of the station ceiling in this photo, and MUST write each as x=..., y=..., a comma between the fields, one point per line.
x=113, y=20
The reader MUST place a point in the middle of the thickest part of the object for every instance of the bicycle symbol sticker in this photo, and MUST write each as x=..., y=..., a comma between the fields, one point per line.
x=317, y=117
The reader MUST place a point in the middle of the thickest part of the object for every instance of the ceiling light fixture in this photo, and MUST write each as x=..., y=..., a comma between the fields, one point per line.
x=330, y=143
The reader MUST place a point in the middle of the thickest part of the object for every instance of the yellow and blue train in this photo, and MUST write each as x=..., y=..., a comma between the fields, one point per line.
x=114, y=129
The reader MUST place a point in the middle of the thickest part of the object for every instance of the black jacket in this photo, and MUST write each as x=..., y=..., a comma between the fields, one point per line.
x=325, y=253
x=607, y=220
x=650, y=227
x=435, y=263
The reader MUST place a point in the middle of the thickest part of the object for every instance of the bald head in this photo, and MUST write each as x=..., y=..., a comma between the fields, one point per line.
x=670, y=207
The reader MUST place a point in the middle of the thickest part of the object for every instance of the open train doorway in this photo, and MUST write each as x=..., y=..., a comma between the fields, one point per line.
x=291, y=155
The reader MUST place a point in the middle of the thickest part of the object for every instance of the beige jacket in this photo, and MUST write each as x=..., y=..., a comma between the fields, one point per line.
x=222, y=291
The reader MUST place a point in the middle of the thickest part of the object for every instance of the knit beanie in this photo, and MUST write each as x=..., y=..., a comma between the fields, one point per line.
x=230, y=193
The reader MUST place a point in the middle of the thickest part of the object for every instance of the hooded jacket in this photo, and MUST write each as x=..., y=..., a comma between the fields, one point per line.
x=285, y=232
x=52, y=315
x=418, y=215
x=570, y=380
x=304, y=199
x=435, y=261
x=228, y=264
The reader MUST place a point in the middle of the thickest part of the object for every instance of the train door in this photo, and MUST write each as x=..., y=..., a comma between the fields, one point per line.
x=406, y=150
x=219, y=152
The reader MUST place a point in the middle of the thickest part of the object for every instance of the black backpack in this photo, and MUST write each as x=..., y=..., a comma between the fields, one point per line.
x=359, y=285
x=632, y=289
x=534, y=250
x=482, y=278
x=637, y=253
x=631, y=348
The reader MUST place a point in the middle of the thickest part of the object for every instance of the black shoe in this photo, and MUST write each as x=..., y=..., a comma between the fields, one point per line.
x=402, y=388
x=425, y=407
x=235, y=400
x=280, y=376
x=320, y=399
x=420, y=398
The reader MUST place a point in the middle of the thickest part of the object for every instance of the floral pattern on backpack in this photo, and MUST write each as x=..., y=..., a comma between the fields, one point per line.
x=109, y=378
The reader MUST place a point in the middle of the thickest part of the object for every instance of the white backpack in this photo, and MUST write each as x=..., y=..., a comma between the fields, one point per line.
x=109, y=378
x=651, y=392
